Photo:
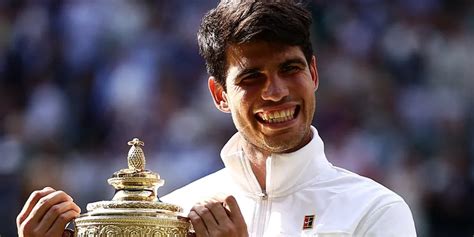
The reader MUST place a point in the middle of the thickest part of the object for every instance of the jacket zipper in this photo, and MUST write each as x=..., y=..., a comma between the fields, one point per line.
x=261, y=207
x=261, y=213
x=263, y=203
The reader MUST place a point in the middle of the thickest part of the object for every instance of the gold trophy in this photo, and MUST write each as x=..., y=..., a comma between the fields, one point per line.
x=135, y=209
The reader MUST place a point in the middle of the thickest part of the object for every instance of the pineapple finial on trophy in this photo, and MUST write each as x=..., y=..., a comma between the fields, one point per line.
x=136, y=157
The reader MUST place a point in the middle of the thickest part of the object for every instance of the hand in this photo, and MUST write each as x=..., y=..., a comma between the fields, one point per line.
x=46, y=213
x=218, y=218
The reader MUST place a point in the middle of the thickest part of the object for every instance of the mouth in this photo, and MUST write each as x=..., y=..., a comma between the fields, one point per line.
x=278, y=116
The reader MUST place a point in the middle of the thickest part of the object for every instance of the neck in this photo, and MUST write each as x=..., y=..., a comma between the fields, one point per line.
x=257, y=159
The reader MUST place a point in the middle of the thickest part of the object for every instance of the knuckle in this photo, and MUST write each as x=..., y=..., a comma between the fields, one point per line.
x=231, y=228
x=27, y=228
x=18, y=220
x=65, y=217
x=228, y=229
x=195, y=219
x=36, y=194
x=55, y=209
x=198, y=209
x=205, y=211
x=192, y=214
x=61, y=193
x=76, y=207
x=212, y=205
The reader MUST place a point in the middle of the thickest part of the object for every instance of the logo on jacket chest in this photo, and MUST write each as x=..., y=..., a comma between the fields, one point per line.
x=308, y=222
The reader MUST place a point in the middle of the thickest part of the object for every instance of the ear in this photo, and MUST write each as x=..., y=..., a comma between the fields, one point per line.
x=314, y=73
x=219, y=95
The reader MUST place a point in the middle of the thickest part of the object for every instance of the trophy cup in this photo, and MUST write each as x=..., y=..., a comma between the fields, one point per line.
x=135, y=209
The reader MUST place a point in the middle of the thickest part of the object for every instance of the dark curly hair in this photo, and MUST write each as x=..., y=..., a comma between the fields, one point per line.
x=243, y=21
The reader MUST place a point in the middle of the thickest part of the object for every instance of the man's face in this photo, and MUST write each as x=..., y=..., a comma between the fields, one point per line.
x=270, y=94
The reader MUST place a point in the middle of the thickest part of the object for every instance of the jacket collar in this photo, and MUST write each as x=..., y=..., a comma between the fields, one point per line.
x=286, y=172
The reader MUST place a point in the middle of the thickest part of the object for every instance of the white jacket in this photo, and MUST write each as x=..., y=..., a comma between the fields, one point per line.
x=300, y=185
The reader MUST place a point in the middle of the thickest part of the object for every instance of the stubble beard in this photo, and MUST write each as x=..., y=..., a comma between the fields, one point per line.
x=282, y=143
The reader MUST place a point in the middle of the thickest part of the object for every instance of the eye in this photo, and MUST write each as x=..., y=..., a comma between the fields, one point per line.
x=291, y=68
x=251, y=77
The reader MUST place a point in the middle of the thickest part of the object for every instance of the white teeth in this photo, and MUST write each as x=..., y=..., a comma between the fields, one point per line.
x=278, y=116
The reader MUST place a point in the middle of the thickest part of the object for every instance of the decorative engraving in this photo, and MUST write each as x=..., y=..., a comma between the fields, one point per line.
x=134, y=204
x=134, y=231
x=130, y=231
x=110, y=231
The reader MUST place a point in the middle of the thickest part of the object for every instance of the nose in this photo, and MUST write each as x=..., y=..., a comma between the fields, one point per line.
x=275, y=89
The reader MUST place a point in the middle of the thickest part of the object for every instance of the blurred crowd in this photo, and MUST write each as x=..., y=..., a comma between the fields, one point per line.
x=80, y=78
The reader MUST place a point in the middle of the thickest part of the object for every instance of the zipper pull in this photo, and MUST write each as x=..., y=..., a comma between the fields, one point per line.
x=263, y=195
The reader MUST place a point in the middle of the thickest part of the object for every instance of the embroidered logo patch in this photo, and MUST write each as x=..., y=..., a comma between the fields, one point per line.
x=308, y=222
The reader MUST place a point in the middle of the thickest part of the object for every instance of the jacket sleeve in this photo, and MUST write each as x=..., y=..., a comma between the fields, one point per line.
x=394, y=219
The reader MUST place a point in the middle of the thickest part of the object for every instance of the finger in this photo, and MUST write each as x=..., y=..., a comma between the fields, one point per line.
x=218, y=211
x=68, y=233
x=31, y=202
x=235, y=214
x=46, y=202
x=206, y=216
x=53, y=213
x=57, y=229
x=198, y=224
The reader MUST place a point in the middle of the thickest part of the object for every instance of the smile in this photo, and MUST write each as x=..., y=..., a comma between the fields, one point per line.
x=278, y=116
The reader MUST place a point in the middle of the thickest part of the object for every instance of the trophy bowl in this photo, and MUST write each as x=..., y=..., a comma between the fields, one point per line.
x=135, y=209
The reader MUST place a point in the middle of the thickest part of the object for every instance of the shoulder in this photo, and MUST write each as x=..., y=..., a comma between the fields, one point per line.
x=380, y=211
x=393, y=219
x=203, y=188
x=361, y=189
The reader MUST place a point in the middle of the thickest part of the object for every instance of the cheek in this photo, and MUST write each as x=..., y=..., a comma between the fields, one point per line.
x=242, y=109
x=240, y=98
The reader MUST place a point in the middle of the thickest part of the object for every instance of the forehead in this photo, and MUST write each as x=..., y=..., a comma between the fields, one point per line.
x=260, y=54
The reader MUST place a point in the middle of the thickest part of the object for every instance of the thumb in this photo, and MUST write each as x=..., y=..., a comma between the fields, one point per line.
x=235, y=213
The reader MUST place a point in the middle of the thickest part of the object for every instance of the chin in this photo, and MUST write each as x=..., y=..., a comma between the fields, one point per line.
x=280, y=146
x=286, y=143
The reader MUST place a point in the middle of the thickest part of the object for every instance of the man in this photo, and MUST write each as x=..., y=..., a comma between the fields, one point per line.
x=277, y=180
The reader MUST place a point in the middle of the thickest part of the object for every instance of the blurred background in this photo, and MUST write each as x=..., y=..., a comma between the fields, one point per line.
x=78, y=79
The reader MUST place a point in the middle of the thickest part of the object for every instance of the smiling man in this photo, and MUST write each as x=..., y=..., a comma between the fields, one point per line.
x=277, y=180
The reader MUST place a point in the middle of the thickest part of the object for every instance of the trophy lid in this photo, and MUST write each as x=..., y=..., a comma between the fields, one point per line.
x=135, y=186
